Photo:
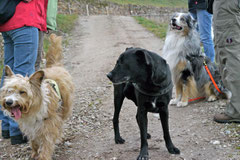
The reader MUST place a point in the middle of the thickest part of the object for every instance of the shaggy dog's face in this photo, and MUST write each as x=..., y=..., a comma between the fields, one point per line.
x=181, y=22
x=18, y=93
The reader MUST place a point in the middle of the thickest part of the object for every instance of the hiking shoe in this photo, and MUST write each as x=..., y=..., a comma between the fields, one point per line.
x=223, y=118
x=5, y=134
x=20, y=139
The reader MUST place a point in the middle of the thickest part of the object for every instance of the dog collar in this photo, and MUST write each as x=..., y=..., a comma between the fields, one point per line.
x=55, y=87
x=154, y=94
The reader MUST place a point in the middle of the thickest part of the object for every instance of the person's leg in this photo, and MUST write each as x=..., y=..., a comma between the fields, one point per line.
x=226, y=25
x=25, y=50
x=205, y=31
x=8, y=60
x=25, y=44
x=40, y=51
x=25, y=54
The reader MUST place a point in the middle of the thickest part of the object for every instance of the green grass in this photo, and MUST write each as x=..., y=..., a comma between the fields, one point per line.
x=65, y=24
x=157, y=3
x=159, y=29
x=1, y=68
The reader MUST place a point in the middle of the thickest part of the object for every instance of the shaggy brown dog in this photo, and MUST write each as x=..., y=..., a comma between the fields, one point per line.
x=35, y=102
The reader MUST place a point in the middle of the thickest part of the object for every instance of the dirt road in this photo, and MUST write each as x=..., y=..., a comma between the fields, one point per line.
x=95, y=45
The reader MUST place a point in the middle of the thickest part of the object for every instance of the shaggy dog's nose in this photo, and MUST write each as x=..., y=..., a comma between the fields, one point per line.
x=9, y=102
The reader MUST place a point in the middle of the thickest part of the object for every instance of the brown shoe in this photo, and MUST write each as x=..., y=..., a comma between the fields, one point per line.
x=223, y=118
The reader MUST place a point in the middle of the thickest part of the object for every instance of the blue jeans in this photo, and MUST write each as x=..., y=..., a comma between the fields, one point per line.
x=204, y=20
x=20, y=53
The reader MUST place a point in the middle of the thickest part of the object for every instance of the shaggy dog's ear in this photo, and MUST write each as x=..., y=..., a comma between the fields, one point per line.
x=8, y=71
x=37, y=77
x=144, y=56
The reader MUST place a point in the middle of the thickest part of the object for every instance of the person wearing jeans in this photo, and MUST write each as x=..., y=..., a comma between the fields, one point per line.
x=198, y=10
x=20, y=35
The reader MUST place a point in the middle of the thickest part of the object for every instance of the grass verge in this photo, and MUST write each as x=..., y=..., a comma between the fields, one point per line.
x=65, y=24
x=156, y=3
x=159, y=29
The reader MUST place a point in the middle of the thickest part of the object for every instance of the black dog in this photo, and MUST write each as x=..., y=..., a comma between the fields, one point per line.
x=145, y=78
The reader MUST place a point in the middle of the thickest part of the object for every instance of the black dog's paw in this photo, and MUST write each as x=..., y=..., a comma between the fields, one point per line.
x=173, y=150
x=119, y=140
x=143, y=157
x=149, y=136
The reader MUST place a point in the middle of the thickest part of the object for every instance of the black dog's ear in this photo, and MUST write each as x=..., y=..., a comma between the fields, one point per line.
x=128, y=48
x=159, y=72
x=158, y=67
x=144, y=56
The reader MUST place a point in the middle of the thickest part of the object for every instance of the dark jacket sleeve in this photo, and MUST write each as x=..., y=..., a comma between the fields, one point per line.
x=210, y=6
x=197, y=4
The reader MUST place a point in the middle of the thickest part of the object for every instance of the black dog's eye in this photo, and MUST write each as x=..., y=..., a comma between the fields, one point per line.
x=182, y=19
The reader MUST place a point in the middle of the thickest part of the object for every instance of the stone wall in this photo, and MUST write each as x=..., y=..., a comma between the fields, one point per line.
x=108, y=8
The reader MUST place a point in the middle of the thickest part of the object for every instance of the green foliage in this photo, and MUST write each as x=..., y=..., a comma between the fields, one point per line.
x=1, y=67
x=159, y=29
x=158, y=3
x=65, y=22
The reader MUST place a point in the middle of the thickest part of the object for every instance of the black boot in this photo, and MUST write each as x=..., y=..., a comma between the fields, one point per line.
x=20, y=139
x=5, y=134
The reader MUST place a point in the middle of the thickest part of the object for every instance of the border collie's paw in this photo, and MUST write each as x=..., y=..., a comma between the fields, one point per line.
x=212, y=98
x=182, y=104
x=174, y=101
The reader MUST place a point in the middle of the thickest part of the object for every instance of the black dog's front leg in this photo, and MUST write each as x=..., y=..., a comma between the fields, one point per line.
x=142, y=123
x=118, y=100
x=164, y=120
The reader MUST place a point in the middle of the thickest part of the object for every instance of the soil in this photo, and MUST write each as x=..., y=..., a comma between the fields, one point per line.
x=94, y=47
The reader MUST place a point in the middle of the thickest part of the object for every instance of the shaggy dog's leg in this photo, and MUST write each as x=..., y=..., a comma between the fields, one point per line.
x=46, y=149
x=34, y=147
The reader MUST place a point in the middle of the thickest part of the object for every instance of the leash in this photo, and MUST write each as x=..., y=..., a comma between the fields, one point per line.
x=194, y=99
x=212, y=79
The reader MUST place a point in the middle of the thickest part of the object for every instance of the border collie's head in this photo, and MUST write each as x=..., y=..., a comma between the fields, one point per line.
x=182, y=22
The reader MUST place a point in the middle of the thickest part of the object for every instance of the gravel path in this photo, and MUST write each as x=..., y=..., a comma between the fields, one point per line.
x=95, y=45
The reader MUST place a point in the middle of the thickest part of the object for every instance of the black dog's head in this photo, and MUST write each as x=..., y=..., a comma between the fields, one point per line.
x=138, y=66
